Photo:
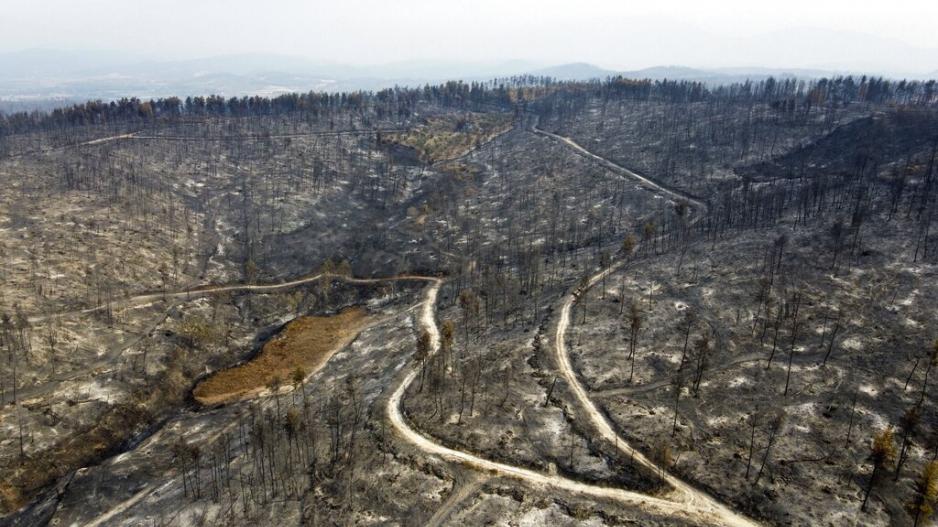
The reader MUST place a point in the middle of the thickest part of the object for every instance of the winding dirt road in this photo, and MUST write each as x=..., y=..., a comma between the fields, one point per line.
x=688, y=496
x=684, y=493
x=429, y=445
x=147, y=299
x=685, y=500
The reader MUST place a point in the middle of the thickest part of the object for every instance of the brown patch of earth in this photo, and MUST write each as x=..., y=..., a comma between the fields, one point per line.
x=306, y=343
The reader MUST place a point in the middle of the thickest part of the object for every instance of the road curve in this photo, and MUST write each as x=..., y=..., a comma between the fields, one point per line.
x=686, y=494
x=429, y=445
x=203, y=290
x=690, y=504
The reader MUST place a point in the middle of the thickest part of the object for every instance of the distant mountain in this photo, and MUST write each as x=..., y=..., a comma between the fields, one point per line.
x=44, y=63
x=443, y=70
x=668, y=72
x=60, y=75
x=825, y=49
x=726, y=75
x=43, y=77
x=574, y=71
x=585, y=71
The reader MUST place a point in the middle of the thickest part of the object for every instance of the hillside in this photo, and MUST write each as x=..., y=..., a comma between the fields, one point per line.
x=542, y=302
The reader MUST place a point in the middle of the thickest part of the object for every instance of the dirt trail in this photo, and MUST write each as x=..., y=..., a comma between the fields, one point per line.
x=458, y=495
x=428, y=445
x=685, y=495
x=691, y=504
x=108, y=139
x=621, y=170
x=667, y=381
x=147, y=299
x=139, y=136
x=254, y=137
x=692, y=498
x=685, y=500
x=98, y=141
x=150, y=298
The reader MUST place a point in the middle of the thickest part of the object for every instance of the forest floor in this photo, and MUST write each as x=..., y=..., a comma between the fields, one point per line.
x=450, y=383
x=636, y=503
x=845, y=383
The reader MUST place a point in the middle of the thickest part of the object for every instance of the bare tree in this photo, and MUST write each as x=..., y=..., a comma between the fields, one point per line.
x=753, y=421
x=635, y=327
x=795, y=324
x=702, y=356
x=677, y=385
x=775, y=428
x=422, y=354
x=907, y=424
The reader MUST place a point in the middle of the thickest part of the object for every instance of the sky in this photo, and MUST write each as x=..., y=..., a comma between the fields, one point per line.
x=614, y=34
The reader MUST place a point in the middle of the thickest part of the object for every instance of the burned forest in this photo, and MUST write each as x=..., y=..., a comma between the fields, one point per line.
x=524, y=301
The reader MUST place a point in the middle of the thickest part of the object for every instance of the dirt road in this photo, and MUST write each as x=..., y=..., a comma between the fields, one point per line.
x=694, y=499
x=621, y=170
x=429, y=445
x=684, y=501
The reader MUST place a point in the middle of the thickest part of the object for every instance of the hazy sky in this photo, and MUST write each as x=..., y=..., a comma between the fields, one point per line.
x=619, y=34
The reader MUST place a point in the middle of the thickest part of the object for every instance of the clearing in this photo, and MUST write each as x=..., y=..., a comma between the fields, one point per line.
x=306, y=343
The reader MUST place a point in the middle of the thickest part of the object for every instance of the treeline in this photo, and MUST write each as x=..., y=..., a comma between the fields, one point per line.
x=785, y=95
x=391, y=103
x=838, y=90
x=400, y=102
